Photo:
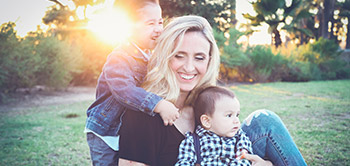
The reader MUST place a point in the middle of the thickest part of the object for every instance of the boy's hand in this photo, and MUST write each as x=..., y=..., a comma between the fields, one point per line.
x=167, y=111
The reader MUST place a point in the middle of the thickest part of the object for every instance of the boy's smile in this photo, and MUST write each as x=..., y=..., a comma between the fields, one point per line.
x=148, y=27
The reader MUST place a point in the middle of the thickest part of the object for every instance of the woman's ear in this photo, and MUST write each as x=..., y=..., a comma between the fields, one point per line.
x=206, y=121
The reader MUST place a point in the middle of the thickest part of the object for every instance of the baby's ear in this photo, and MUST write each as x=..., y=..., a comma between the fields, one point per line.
x=206, y=121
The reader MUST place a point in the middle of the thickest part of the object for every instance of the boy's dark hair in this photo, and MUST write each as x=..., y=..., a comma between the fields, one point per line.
x=132, y=6
x=206, y=98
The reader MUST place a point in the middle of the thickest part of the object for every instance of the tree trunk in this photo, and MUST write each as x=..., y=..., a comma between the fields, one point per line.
x=277, y=38
x=348, y=35
x=302, y=39
x=326, y=17
x=319, y=18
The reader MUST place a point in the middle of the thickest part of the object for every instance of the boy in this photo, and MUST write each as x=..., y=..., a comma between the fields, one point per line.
x=118, y=86
x=219, y=139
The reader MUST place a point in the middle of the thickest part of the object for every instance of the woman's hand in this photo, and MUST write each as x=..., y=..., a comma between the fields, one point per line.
x=257, y=161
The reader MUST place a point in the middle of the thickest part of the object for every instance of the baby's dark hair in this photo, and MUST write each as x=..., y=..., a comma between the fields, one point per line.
x=206, y=98
x=132, y=6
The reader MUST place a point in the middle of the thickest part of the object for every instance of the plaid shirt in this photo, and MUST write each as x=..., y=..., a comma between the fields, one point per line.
x=215, y=150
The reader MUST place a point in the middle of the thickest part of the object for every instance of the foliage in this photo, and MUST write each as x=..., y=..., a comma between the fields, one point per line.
x=344, y=12
x=219, y=13
x=254, y=64
x=37, y=59
x=326, y=55
x=94, y=53
x=316, y=61
x=265, y=65
x=232, y=54
x=274, y=13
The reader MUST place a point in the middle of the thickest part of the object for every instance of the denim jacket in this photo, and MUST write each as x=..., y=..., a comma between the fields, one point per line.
x=118, y=89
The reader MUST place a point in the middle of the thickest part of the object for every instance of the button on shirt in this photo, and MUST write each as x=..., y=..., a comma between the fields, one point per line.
x=215, y=150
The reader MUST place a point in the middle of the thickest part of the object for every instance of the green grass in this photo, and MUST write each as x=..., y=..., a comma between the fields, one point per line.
x=50, y=135
x=317, y=115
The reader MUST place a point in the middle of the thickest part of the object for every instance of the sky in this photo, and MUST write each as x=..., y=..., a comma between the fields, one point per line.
x=28, y=14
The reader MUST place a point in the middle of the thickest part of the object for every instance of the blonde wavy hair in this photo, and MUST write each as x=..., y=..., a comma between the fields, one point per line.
x=160, y=79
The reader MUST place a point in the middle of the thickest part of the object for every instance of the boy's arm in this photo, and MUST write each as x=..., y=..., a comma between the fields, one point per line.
x=121, y=81
x=187, y=154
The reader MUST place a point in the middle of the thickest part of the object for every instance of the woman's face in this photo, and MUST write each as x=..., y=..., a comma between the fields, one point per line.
x=190, y=62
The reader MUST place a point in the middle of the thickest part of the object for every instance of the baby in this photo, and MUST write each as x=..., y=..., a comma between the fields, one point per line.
x=218, y=139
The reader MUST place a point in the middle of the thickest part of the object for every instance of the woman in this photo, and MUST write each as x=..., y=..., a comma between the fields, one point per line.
x=186, y=59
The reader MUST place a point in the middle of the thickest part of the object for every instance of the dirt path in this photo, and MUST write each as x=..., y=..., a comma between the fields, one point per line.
x=43, y=98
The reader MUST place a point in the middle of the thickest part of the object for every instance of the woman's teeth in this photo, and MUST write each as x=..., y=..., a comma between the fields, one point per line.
x=187, y=77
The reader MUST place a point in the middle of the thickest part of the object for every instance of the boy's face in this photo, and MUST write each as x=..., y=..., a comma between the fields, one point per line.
x=224, y=121
x=148, y=26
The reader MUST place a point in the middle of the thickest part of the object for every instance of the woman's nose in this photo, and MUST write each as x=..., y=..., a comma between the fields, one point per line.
x=189, y=66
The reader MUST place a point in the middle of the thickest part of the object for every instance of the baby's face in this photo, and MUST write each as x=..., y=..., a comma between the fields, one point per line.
x=225, y=121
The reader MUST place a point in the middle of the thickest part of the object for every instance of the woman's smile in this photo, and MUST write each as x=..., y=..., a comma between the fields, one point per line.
x=191, y=60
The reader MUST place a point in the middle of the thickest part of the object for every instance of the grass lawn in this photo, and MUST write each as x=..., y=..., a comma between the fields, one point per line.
x=317, y=115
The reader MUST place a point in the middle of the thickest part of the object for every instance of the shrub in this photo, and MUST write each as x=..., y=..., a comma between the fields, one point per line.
x=59, y=60
x=35, y=60
x=232, y=54
x=324, y=54
x=94, y=53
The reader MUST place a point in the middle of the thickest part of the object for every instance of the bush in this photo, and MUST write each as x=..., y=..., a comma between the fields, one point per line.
x=255, y=64
x=94, y=53
x=35, y=60
x=324, y=56
x=232, y=54
x=266, y=65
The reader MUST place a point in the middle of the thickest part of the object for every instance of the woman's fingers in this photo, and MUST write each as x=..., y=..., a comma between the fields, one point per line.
x=257, y=161
x=251, y=157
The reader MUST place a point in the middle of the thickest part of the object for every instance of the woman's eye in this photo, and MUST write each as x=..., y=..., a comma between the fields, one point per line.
x=199, y=58
x=179, y=56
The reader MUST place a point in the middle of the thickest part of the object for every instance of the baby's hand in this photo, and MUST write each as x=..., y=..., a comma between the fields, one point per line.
x=243, y=155
x=167, y=111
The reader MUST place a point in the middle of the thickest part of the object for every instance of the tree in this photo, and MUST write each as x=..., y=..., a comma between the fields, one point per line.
x=344, y=9
x=327, y=15
x=302, y=25
x=274, y=13
x=219, y=13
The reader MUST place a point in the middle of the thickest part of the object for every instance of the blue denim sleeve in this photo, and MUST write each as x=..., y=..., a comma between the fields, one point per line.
x=122, y=77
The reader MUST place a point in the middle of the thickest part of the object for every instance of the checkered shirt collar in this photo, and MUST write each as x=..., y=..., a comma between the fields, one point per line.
x=203, y=132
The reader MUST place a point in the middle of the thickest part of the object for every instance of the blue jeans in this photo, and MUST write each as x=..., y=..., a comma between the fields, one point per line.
x=101, y=154
x=271, y=139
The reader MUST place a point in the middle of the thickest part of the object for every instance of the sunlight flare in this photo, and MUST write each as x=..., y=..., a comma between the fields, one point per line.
x=111, y=26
